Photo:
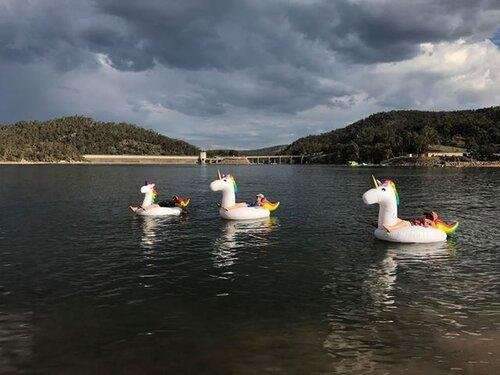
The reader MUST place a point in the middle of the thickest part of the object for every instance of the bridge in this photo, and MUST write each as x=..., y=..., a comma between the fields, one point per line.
x=256, y=159
x=200, y=159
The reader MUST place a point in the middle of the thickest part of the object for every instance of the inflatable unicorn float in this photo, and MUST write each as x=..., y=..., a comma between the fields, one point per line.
x=151, y=207
x=391, y=228
x=231, y=210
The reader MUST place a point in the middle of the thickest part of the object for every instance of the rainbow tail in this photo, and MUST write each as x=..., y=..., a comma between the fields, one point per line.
x=183, y=201
x=449, y=229
x=271, y=206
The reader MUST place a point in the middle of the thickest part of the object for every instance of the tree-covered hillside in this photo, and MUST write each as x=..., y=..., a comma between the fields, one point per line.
x=272, y=150
x=68, y=138
x=389, y=134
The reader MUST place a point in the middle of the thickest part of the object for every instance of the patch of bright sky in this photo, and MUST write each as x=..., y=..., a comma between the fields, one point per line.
x=496, y=37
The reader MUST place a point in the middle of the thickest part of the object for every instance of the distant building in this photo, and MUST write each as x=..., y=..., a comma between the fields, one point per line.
x=436, y=153
x=439, y=150
x=203, y=157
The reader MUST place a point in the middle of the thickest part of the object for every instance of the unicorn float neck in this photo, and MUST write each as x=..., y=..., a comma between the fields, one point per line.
x=150, y=194
x=386, y=195
x=227, y=185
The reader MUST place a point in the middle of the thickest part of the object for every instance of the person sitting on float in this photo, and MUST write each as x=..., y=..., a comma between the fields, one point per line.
x=236, y=205
x=429, y=220
x=260, y=200
x=145, y=208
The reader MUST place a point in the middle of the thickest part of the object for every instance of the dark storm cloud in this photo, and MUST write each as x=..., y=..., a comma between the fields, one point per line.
x=273, y=56
x=231, y=35
x=384, y=31
x=273, y=88
x=228, y=35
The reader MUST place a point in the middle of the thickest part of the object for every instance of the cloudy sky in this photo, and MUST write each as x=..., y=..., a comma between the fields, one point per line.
x=245, y=73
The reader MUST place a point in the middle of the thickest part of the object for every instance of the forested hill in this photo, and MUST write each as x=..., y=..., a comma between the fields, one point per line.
x=272, y=150
x=68, y=138
x=388, y=134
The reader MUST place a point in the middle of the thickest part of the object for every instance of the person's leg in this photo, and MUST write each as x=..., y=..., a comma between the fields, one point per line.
x=400, y=224
x=237, y=205
x=150, y=207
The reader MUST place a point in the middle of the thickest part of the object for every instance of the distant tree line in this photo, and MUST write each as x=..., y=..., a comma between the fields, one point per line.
x=389, y=134
x=273, y=150
x=68, y=138
x=223, y=153
x=376, y=138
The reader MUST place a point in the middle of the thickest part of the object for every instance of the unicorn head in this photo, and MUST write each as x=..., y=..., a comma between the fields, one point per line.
x=226, y=184
x=386, y=195
x=383, y=193
x=151, y=194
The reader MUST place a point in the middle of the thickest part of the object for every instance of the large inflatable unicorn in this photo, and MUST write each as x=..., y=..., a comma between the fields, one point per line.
x=151, y=207
x=231, y=210
x=391, y=228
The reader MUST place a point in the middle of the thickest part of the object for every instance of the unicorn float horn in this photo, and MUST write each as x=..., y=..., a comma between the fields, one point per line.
x=219, y=176
x=375, y=182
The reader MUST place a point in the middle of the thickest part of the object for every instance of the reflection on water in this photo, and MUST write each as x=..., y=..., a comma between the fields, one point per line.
x=150, y=228
x=395, y=324
x=240, y=235
x=382, y=277
x=156, y=229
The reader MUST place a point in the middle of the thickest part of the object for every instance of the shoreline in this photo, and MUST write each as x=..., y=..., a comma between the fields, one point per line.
x=94, y=159
x=461, y=165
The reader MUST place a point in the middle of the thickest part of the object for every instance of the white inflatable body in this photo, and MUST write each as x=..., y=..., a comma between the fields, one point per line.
x=159, y=211
x=227, y=185
x=244, y=213
x=387, y=197
x=413, y=234
x=149, y=196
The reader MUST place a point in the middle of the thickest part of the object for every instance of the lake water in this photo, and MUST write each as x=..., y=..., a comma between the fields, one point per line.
x=86, y=287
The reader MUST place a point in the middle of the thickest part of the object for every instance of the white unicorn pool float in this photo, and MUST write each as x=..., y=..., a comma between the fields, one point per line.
x=231, y=210
x=151, y=207
x=391, y=228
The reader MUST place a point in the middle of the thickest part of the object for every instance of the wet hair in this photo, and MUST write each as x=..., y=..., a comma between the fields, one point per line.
x=431, y=215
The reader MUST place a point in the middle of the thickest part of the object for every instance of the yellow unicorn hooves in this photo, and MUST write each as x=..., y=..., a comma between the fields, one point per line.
x=271, y=206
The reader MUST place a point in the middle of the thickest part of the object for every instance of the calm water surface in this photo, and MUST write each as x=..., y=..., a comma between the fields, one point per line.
x=85, y=287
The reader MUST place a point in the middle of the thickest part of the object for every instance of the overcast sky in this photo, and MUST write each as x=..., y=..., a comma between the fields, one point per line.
x=244, y=74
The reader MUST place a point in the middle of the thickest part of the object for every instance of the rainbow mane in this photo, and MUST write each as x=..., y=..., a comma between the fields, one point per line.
x=154, y=198
x=155, y=195
x=392, y=185
x=235, y=185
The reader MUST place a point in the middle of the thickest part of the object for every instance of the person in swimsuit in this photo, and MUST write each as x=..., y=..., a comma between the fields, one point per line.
x=429, y=220
x=260, y=200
